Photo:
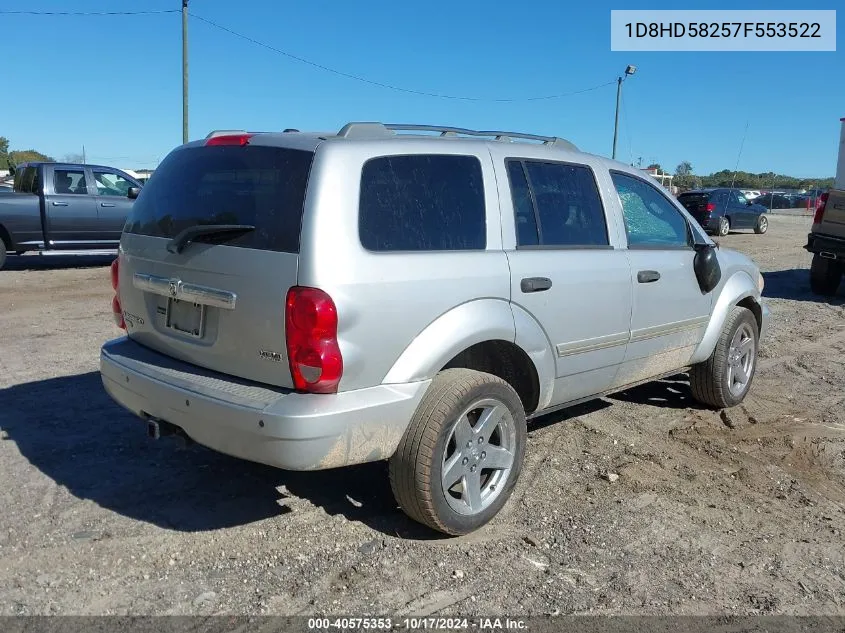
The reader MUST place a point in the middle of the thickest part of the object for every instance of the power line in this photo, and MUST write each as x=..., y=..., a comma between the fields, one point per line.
x=89, y=12
x=380, y=84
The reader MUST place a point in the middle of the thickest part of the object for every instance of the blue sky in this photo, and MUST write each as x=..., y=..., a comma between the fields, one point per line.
x=113, y=84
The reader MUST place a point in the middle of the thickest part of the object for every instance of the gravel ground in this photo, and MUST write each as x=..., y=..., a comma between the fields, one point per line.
x=740, y=512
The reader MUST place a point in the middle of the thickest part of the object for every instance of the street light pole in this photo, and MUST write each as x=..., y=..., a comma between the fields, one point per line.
x=630, y=70
x=184, y=71
x=616, y=121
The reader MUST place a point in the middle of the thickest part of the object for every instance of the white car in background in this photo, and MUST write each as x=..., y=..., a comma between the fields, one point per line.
x=750, y=194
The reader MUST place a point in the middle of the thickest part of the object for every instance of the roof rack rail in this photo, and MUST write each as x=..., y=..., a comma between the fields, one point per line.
x=382, y=130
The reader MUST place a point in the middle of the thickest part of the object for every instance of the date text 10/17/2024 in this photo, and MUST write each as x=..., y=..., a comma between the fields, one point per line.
x=417, y=624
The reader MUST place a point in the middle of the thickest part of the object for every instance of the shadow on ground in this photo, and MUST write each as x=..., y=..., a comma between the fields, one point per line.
x=54, y=262
x=671, y=393
x=794, y=284
x=72, y=431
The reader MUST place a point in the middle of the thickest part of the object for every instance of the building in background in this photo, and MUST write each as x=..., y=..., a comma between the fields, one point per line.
x=141, y=175
x=663, y=178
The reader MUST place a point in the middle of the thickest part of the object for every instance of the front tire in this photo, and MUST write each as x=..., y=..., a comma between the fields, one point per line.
x=762, y=224
x=825, y=275
x=724, y=226
x=2, y=254
x=723, y=380
x=462, y=453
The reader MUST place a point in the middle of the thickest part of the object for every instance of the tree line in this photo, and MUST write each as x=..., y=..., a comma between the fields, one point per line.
x=8, y=159
x=686, y=179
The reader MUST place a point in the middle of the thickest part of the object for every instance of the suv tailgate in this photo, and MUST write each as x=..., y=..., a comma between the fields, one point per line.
x=220, y=302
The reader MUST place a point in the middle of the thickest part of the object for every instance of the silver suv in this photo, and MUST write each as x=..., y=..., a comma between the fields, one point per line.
x=412, y=293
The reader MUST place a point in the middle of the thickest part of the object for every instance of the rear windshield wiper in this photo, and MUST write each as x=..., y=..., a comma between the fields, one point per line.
x=183, y=238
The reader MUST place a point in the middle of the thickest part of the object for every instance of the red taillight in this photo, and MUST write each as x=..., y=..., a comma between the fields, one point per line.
x=316, y=364
x=230, y=139
x=115, y=268
x=117, y=311
x=822, y=203
x=710, y=207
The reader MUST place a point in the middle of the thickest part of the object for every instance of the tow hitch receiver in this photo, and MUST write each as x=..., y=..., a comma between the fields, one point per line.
x=156, y=429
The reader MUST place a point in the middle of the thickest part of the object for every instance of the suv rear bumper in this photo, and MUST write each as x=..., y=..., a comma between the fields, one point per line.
x=827, y=245
x=259, y=423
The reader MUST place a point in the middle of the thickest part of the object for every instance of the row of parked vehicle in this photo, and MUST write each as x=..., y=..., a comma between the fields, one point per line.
x=719, y=211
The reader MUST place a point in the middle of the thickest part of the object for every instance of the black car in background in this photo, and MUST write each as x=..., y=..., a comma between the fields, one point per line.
x=778, y=200
x=720, y=210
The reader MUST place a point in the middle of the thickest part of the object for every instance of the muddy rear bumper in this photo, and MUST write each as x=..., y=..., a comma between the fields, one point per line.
x=270, y=425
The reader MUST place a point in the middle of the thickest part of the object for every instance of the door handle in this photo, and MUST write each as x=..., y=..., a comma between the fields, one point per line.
x=59, y=204
x=647, y=276
x=107, y=204
x=535, y=284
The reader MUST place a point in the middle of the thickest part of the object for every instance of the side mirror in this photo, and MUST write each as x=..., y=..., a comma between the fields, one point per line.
x=708, y=272
x=133, y=192
x=748, y=203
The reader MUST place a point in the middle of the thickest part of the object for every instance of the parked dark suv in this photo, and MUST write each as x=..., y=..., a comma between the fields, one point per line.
x=720, y=210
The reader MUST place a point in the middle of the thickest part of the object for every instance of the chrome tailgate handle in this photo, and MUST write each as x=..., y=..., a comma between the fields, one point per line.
x=177, y=289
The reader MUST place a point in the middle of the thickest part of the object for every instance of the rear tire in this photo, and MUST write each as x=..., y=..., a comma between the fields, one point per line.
x=723, y=380
x=762, y=224
x=825, y=275
x=2, y=254
x=462, y=453
x=724, y=226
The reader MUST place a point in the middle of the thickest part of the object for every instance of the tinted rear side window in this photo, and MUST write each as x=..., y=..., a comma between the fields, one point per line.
x=564, y=201
x=422, y=203
x=259, y=186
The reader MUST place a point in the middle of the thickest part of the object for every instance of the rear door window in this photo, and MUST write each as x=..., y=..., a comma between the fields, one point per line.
x=422, y=202
x=254, y=185
x=556, y=205
x=69, y=182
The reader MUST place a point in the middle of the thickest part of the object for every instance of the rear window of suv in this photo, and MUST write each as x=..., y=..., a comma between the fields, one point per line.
x=423, y=202
x=259, y=186
x=692, y=200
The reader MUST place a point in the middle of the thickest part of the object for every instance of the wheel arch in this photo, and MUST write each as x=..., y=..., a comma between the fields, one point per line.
x=487, y=335
x=739, y=290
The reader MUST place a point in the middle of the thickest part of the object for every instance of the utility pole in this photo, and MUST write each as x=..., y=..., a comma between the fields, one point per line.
x=184, y=71
x=84, y=162
x=630, y=70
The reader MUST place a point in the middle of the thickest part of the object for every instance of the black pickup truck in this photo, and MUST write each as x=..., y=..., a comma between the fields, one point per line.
x=59, y=207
